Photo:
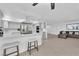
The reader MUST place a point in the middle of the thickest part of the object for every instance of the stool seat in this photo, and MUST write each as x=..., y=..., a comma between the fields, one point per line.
x=7, y=45
x=32, y=39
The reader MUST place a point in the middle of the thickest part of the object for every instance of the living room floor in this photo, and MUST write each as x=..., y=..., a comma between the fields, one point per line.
x=55, y=46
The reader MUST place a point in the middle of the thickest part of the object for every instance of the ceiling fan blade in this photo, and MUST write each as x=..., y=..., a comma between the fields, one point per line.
x=52, y=6
x=34, y=4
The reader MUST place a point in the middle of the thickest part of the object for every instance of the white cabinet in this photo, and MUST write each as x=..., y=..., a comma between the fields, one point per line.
x=1, y=23
x=5, y=24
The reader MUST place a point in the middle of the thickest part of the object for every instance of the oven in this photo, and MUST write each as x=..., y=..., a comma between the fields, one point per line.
x=1, y=32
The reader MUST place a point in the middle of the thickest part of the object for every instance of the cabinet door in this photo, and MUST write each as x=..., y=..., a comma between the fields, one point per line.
x=5, y=24
x=26, y=28
x=1, y=16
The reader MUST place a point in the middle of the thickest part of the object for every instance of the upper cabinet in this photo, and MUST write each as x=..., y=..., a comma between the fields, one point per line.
x=13, y=25
x=26, y=28
x=5, y=24
x=1, y=16
x=1, y=23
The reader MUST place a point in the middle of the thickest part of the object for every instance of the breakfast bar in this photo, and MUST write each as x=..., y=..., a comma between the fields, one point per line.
x=22, y=40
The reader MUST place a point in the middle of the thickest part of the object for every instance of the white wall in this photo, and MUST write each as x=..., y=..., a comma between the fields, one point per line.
x=63, y=14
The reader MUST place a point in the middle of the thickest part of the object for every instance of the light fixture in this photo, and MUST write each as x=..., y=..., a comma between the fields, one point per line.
x=52, y=5
x=34, y=4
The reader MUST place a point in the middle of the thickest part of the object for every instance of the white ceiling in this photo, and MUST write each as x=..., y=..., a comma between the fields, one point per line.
x=63, y=12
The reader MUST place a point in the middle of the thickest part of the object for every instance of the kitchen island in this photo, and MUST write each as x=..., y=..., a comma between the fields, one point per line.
x=21, y=38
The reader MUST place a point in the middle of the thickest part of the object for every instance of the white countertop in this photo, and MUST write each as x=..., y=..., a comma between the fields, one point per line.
x=13, y=38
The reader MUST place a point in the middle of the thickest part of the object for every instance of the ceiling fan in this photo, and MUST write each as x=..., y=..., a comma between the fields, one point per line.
x=52, y=5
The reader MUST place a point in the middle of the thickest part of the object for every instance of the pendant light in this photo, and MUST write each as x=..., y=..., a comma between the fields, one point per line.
x=52, y=5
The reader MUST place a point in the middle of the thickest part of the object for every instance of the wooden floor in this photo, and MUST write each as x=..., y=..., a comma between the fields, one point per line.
x=55, y=46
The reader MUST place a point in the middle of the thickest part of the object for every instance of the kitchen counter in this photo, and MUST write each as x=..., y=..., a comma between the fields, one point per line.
x=21, y=38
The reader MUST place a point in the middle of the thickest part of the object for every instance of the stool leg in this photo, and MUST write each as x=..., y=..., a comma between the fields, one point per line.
x=17, y=50
x=34, y=44
x=30, y=49
x=4, y=52
x=37, y=45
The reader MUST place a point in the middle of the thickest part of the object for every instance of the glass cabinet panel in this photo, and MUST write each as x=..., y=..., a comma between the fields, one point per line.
x=26, y=28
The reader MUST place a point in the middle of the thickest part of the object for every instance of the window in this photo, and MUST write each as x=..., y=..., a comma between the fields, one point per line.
x=73, y=26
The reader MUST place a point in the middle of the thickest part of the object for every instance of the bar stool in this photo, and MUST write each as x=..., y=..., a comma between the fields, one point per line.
x=9, y=46
x=32, y=45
